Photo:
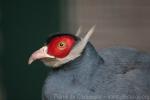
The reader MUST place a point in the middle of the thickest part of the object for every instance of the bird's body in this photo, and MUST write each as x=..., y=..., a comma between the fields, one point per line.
x=115, y=74
x=79, y=72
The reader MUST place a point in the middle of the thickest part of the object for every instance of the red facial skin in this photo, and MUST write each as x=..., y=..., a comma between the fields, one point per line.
x=60, y=46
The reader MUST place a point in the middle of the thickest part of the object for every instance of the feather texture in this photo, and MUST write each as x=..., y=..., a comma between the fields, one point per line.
x=112, y=74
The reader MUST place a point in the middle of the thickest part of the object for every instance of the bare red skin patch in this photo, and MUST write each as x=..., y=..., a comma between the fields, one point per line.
x=60, y=46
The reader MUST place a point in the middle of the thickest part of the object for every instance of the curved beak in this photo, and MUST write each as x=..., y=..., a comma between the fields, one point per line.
x=39, y=54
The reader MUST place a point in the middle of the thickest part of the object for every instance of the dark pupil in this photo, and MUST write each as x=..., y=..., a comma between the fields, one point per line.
x=61, y=44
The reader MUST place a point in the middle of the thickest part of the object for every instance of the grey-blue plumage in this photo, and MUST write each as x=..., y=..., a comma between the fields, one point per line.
x=112, y=74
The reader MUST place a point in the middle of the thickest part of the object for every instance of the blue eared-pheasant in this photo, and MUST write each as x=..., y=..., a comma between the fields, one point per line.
x=79, y=72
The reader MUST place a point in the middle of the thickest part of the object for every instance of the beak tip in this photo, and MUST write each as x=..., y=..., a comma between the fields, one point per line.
x=30, y=61
x=39, y=54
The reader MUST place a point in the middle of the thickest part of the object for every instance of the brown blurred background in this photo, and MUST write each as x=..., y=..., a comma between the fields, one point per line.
x=119, y=22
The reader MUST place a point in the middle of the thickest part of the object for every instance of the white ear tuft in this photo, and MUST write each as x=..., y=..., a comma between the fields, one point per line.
x=81, y=45
x=79, y=31
x=88, y=35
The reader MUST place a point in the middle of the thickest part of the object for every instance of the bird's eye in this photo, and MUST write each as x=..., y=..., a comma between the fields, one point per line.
x=61, y=45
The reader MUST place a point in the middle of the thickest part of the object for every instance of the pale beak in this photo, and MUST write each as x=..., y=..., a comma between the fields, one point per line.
x=39, y=54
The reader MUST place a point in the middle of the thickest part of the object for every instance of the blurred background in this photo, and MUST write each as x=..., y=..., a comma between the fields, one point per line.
x=25, y=24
